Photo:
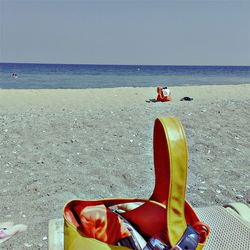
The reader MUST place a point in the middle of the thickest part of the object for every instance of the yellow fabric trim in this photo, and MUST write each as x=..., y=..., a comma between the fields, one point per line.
x=177, y=148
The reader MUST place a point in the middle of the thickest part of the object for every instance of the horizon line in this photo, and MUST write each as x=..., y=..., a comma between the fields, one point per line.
x=110, y=64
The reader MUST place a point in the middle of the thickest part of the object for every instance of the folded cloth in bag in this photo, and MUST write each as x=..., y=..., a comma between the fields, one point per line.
x=165, y=213
x=101, y=223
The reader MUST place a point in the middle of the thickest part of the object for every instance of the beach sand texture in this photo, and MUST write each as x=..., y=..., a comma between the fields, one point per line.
x=57, y=145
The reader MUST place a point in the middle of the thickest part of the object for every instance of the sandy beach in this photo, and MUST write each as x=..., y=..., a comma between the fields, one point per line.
x=58, y=145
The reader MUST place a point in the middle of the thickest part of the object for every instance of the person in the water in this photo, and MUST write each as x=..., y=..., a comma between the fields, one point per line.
x=14, y=75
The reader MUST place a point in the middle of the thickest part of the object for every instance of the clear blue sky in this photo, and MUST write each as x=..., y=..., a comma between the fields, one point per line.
x=202, y=32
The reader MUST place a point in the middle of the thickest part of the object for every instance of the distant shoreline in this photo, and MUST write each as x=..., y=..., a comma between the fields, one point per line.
x=122, y=87
x=111, y=64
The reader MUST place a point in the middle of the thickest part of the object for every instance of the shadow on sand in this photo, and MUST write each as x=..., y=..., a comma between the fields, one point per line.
x=151, y=100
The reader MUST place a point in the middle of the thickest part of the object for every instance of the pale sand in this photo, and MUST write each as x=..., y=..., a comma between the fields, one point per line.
x=56, y=145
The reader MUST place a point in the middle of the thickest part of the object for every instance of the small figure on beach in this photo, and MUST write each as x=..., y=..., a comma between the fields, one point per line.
x=14, y=75
x=163, y=94
x=165, y=91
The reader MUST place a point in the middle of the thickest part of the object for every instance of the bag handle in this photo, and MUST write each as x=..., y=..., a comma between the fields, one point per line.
x=171, y=161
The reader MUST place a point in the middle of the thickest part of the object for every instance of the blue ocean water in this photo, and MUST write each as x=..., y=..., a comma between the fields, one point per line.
x=54, y=76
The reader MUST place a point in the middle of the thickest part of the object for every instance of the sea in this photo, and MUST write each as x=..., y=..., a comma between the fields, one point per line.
x=81, y=76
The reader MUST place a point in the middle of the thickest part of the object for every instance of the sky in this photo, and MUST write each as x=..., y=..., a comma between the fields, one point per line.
x=201, y=32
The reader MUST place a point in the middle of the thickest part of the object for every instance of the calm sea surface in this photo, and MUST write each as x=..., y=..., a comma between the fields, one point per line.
x=53, y=76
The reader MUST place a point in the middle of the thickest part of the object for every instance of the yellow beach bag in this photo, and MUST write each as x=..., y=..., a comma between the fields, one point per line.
x=166, y=211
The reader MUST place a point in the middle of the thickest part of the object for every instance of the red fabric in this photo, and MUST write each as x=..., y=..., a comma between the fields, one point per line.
x=102, y=224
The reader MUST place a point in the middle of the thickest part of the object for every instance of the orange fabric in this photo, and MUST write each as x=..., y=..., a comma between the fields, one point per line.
x=100, y=223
